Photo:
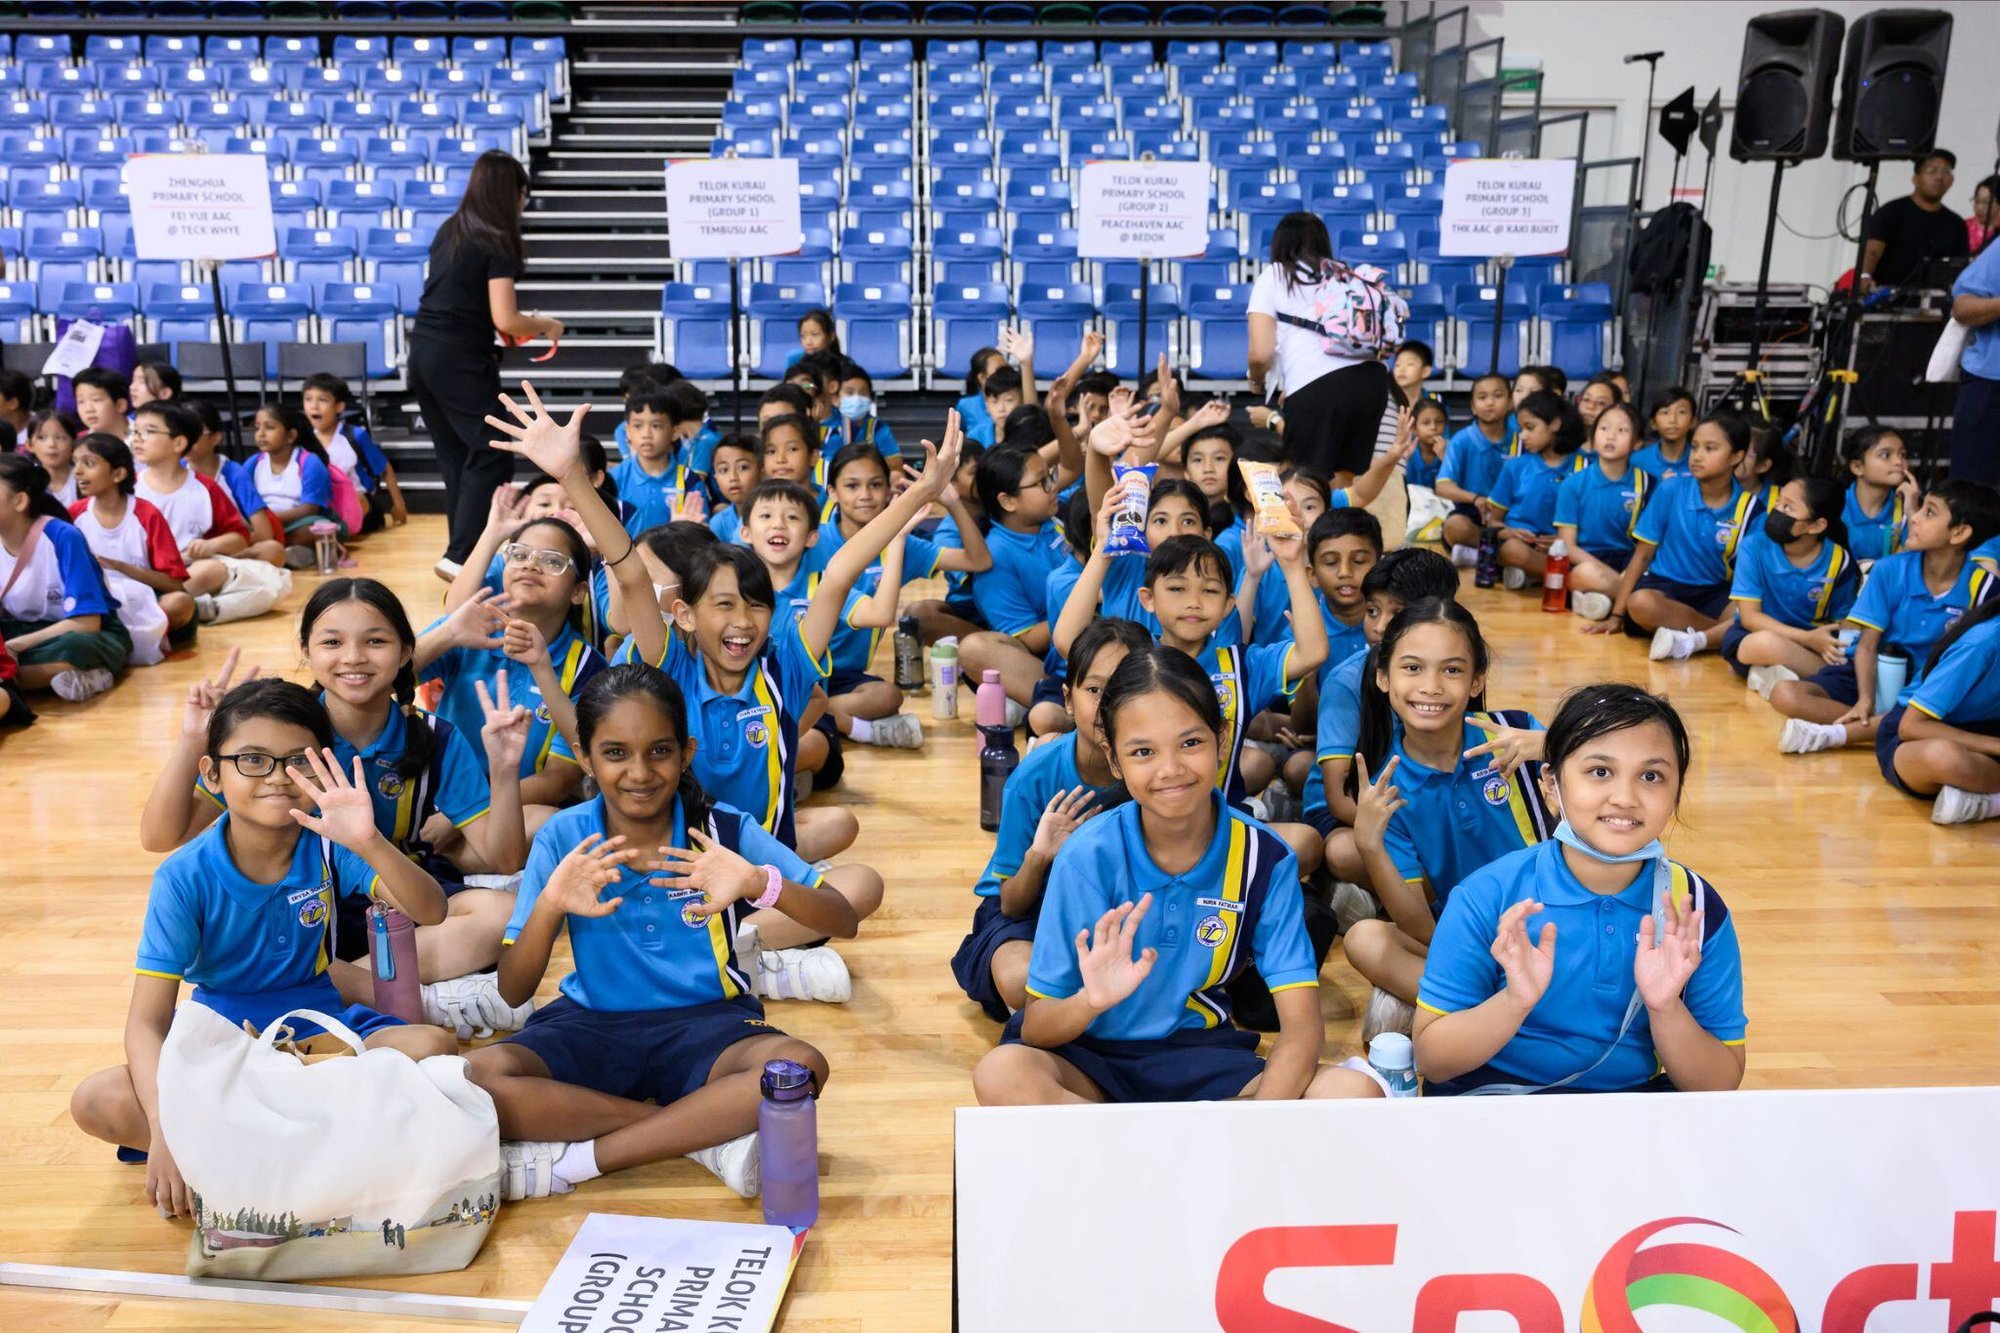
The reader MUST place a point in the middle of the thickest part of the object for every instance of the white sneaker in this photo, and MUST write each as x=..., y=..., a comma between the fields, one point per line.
x=1800, y=736
x=1465, y=557
x=735, y=1163
x=499, y=883
x=76, y=686
x=1955, y=805
x=1590, y=605
x=472, y=1007
x=1352, y=903
x=1512, y=579
x=528, y=1170
x=1677, y=644
x=803, y=974
x=1764, y=679
x=1386, y=1013
x=1016, y=715
x=446, y=568
x=300, y=557
x=205, y=609
x=900, y=731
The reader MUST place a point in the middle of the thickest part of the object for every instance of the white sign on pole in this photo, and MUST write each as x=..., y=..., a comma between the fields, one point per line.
x=1142, y=210
x=1506, y=206
x=1771, y=1211
x=659, y=1273
x=201, y=206
x=733, y=208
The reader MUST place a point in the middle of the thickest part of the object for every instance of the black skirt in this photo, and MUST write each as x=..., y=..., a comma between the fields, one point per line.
x=1331, y=423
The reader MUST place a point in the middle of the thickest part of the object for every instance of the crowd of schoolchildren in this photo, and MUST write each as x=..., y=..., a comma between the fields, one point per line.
x=1257, y=723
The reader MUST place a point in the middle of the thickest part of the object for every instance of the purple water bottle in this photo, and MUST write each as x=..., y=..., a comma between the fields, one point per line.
x=392, y=959
x=788, y=1145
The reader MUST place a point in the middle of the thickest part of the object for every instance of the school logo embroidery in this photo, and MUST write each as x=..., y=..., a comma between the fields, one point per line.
x=1495, y=790
x=1627, y=499
x=689, y=918
x=312, y=912
x=1815, y=592
x=756, y=733
x=1225, y=694
x=1211, y=931
x=390, y=785
x=542, y=712
x=1724, y=529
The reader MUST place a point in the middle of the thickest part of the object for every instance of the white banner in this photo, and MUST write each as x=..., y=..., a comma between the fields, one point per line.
x=201, y=205
x=656, y=1273
x=733, y=208
x=1142, y=210
x=1506, y=206
x=1771, y=1212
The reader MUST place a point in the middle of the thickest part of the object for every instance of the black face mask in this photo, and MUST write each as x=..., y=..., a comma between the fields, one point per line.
x=1778, y=527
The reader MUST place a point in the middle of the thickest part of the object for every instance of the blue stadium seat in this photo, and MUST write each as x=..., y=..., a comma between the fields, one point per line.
x=282, y=50
x=310, y=256
x=967, y=256
x=98, y=302
x=964, y=200
x=47, y=204
x=1577, y=324
x=17, y=312
x=1386, y=250
x=49, y=79
x=769, y=51
x=391, y=162
x=179, y=312
x=1218, y=333
x=61, y=255
x=1472, y=319
x=360, y=204
x=1037, y=195
x=396, y=259
x=876, y=325
x=1121, y=326
x=244, y=50
x=296, y=203
x=1216, y=267
x=1349, y=204
x=108, y=48
x=360, y=51
x=812, y=263
x=21, y=114
x=365, y=314
x=478, y=52
x=964, y=318
x=1045, y=257
x=421, y=52
x=775, y=310
x=693, y=332
x=881, y=205
x=72, y=111
x=271, y=313
x=884, y=255
x=144, y=273
x=1428, y=321
x=327, y=160
x=28, y=159
x=1056, y=314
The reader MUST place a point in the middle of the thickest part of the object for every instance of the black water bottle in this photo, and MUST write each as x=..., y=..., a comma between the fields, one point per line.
x=909, y=656
x=1487, y=572
x=997, y=761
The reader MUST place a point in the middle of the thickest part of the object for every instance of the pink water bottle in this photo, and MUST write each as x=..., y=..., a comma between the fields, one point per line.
x=392, y=958
x=990, y=701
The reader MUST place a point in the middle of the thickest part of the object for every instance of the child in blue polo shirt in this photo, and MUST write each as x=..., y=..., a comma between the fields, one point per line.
x=1061, y=783
x=1597, y=510
x=972, y=408
x=1794, y=585
x=1431, y=423
x=1672, y=413
x=1909, y=601
x=1442, y=786
x=738, y=462
x=791, y=453
x=1523, y=502
x=649, y=477
x=1017, y=494
x=245, y=912
x=1676, y=585
x=854, y=420
x=1152, y=909
x=651, y=881
x=1634, y=980
x=1879, y=494
x=1942, y=739
x=292, y=477
x=1472, y=463
x=205, y=456
x=535, y=628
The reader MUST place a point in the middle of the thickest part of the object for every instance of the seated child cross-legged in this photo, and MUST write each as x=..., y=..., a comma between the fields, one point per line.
x=1152, y=910
x=1597, y=508
x=245, y=911
x=1795, y=582
x=1942, y=739
x=655, y=1047
x=1634, y=980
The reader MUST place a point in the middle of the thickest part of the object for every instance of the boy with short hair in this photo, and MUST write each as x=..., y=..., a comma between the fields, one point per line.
x=787, y=399
x=1471, y=465
x=1001, y=394
x=204, y=520
x=327, y=400
x=267, y=539
x=738, y=461
x=854, y=419
x=648, y=477
x=1412, y=369
x=103, y=400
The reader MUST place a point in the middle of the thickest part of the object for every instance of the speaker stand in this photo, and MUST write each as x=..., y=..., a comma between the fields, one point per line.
x=1745, y=393
x=1855, y=301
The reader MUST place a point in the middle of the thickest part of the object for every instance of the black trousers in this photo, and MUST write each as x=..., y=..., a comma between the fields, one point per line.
x=1975, y=431
x=1330, y=424
x=457, y=389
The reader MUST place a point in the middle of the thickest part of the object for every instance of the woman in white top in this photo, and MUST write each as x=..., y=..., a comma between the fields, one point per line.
x=1333, y=404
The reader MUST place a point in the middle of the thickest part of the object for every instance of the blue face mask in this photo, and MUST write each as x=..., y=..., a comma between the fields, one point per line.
x=854, y=407
x=1569, y=837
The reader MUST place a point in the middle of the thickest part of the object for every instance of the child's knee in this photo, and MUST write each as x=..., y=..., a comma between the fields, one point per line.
x=807, y=1054
x=812, y=752
x=102, y=1102
x=1790, y=696
x=419, y=1041
x=1367, y=943
x=1305, y=845
x=1918, y=763
x=1000, y=1077
x=1334, y=1083
x=860, y=885
x=1010, y=971
x=1049, y=719
x=1298, y=768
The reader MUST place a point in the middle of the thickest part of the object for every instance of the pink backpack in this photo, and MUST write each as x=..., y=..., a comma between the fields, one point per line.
x=1354, y=313
x=346, y=500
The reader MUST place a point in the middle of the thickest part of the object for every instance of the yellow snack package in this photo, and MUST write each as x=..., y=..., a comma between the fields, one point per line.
x=1267, y=493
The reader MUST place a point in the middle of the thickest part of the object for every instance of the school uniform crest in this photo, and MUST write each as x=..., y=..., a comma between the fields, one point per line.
x=1725, y=529
x=1225, y=694
x=756, y=733
x=542, y=711
x=390, y=785
x=312, y=912
x=688, y=916
x=1211, y=931
x=1495, y=790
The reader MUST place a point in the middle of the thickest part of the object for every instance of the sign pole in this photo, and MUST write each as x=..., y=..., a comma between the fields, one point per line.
x=737, y=338
x=1499, y=305
x=1145, y=291
x=214, y=268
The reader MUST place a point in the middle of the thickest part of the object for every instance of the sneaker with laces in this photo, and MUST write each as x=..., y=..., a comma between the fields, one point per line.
x=76, y=686
x=1674, y=644
x=1590, y=605
x=1800, y=736
x=1764, y=679
x=471, y=1006
x=735, y=1163
x=1352, y=903
x=1386, y=1013
x=1512, y=579
x=528, y=1170
x=1955, y=805
x=900, y=731
x=803, y=974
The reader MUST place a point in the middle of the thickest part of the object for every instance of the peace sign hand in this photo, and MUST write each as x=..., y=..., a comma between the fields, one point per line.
x=722, y=875
x=346, y=814
x=1110, y=972
x=592, y=866
x=1527, y=966
x=1377, y=803
x=1510, y=747
x=537, y=436
x=1065, y=812
x=203, y=696
x=1663, y=966
x=505, y=734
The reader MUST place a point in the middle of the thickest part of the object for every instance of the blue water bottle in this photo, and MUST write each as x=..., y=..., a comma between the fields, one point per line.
x=1891, y=672
x=1395, y=1060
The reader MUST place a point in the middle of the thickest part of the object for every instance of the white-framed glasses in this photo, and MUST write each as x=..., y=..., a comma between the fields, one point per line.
x=544, y=560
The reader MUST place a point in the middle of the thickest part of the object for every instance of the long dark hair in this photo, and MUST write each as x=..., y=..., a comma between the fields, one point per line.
x=974, y=381
x=1102, y=633
x=1299, y=245
x=304, y=436
x=638, y=680
x=489, y=214
x=1154, y=669
x=1561, y=415
x=1378, y=721
x=25, y=473
x=1979, y=615
x=1826, y=498
x=419, y=742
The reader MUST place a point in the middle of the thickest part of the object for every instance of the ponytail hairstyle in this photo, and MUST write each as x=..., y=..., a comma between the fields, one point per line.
x=1378, y=721
x=24, y=473
x=975, y=375
x=304, y=436
x=1153, y=669
x=1559, y=412
x=117, y=456
x=638, y=680
x=1979, y=615
x=1772, y=462
x=420, y=743
x=824, y=319
x=268, y=696
x=1825, y=499
x=579, y=557
x=1733, y=427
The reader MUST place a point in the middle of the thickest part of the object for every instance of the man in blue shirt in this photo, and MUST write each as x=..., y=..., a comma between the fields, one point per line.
x=1975, y=432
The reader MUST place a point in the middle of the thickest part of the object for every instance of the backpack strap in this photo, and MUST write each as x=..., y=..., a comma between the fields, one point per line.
x=28, y=546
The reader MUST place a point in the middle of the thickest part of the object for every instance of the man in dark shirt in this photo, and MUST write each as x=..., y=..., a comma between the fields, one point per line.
x=1907, y=233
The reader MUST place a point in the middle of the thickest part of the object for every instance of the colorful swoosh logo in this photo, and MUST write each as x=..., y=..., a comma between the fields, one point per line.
x=1686, y=1276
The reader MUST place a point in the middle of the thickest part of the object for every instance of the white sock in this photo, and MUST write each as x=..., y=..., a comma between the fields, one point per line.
x=1688, y=642
x=1837, y=731
x=862, y=730
x=1992, y=806
x=578, y=1163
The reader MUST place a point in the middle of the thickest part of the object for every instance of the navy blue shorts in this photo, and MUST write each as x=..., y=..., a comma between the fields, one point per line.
x=1838, y=681
x=1191, y=1065
x=350, y=914
x=847, y=682
x=1732, y=639
x=1048, y=690
x=1889, y=738
x=647, y=1055
x=1322, y=821
x=967, y=610
x=1616, y=559
x=260, y=1008
x=1468, y=512
x=1707, y=599
x=973, y=963
x=1487, y=1075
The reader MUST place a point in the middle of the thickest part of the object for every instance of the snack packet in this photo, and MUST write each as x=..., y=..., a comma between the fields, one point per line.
x=1128, y=525
x=1267, y=493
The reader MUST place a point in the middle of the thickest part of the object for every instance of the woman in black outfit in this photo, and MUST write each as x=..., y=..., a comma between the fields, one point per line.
x=1333, y=404
x=454, y=360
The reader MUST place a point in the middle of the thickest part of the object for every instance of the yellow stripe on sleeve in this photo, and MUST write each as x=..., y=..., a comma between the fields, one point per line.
x=164, y=976
x=1295, y=985
x=1431, y=1008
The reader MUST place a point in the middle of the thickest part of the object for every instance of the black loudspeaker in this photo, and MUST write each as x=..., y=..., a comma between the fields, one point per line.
x=1891, y=84
x=1784, y=96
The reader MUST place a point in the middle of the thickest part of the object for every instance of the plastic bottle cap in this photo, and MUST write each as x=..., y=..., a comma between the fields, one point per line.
x=1558, y=551
x=786, y=1081
x=1391, y=1050
x=989, y=677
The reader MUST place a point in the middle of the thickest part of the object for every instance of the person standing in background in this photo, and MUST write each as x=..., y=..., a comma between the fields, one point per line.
x=1975, y=431
x=1907, y=233
x=1984, y=223
x=476, y=258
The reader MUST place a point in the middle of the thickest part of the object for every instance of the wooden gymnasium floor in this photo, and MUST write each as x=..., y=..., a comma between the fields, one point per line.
x=1867, y=939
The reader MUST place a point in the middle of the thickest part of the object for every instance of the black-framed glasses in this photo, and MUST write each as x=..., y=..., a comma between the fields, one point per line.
x=546, y=561
x=258, y=764
x=1048, y=481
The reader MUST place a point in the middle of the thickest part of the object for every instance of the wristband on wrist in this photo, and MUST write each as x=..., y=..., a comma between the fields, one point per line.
x=774, y=883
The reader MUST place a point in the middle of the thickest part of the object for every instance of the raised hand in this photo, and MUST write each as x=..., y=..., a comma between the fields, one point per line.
x=1290, y=548
x=503, y=511
x=203, y=696
x=722, y=875
x=1214, y=412
x=1376, y=803
x=1256, y=552
x=1510, y=747
x=1406, y=434
x=505, y=732
x=535, y=435
x=522, y=641
x=1092, y=347
x=592, y=866
x=1663, y=965
x=1062, y=816
x=1017, y=344
x=480, y=620
x=1122, y=428
x=346, y=814
x=940, y=460
x=1527, y=965
x=1105, y=961
x=1108, y=511
x=689, y=506
x=1170, y=394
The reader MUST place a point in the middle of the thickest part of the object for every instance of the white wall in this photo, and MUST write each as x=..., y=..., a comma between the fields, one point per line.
x=1580, y=46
